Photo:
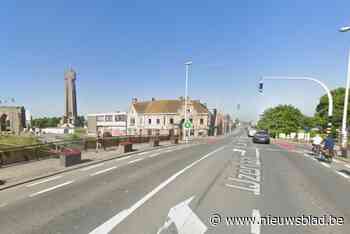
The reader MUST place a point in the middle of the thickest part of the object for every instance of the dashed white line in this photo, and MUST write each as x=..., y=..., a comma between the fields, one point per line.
x=255, y=227
x=343, y=175
x=168, y=151
x=103, y=171
x=107, y=226
x=50, y=189
x=325, y=164
x=44, y=181
x=136, y=160
x=154, y=155
x=91, y=167
x=257, y=156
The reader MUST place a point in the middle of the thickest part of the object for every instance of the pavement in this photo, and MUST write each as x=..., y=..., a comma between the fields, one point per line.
x=207, y=187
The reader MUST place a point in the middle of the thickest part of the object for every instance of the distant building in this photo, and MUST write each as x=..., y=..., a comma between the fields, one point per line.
x=12, y=119
x=166, y=117
x=112, y=122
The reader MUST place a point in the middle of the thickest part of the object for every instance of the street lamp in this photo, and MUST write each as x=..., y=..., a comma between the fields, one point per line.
x=187, y=64
x=345, y=112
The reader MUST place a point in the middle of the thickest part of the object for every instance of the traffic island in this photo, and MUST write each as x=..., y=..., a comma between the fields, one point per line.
x=70, y=157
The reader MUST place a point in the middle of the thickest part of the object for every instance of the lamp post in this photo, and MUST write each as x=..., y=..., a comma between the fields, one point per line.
x=346, y=99
x=185, y=131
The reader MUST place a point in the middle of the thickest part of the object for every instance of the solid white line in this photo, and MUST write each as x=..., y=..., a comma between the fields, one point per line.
x=103, y=171
x=143, y=153
x=343, y=175
x=51, y=188
x=92, y=166
x=347, y=165
x=255, y=227
x=118, y=218
x=325, y=164
x=154, y=155
x=43, y=181
x=136, y=160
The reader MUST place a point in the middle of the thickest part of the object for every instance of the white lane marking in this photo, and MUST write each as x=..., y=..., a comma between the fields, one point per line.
x=336, y=160
x=255, y=227
x=240, y=150
x=123, y=158
x=325, y=164
x=347, y=165
x=136, y=160
x=154, y=155
x=51, y=188
x=185, y=220
x=92, y=166
x=143, y=153
x=118, y=218
x=44, y=181
x=3, y=204
x=343, y=175
x=168, y=151
x=251, y=185
x=257, y=153
x=103, y=171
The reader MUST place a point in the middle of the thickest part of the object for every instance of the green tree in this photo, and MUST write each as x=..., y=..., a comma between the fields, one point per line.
x=46, y=122
x=283, y=118
x=321, y=114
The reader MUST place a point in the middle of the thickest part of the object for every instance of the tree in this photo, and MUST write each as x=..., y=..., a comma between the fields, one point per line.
x=338, y=107
x=283, y=118
x=46, y=122
x=80, y=121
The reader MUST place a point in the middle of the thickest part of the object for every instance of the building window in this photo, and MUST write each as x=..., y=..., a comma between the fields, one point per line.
x=120, y=118
x=109, y=118
x=149, y=121
x=164, y=120
x=158, y=121
x=171, y=121
x=100, y=118
x=132, y=121
x=201, y=121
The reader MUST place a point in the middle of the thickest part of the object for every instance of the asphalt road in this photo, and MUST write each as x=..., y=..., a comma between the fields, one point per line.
x=196, y=188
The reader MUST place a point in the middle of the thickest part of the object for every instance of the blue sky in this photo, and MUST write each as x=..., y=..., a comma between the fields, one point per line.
x=125, y=49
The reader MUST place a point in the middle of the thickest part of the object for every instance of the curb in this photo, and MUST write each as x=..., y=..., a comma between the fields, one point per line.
x=73, y=168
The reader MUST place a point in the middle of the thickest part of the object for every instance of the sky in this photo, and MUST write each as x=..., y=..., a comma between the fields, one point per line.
x=126, y=49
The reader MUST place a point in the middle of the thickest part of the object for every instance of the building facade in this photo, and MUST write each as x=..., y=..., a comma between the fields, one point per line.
x=163, y=117
x=113, y=122
x=12, y=119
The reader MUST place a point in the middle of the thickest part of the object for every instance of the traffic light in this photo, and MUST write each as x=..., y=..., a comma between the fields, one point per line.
x=261, y=86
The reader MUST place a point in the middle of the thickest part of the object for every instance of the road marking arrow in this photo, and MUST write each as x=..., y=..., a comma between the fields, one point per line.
x=239, y=150
x=184, y=219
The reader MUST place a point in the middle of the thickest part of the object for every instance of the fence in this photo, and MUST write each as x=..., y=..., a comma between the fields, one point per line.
x=49, y=150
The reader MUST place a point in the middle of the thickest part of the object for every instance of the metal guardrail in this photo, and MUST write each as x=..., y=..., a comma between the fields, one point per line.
x=49, y=150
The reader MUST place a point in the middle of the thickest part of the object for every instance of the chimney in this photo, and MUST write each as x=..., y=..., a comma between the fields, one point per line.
x=134, y=100
x=153, y=99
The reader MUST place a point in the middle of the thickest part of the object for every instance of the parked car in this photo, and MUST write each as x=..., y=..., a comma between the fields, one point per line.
x=261, y=137
x=251, y=132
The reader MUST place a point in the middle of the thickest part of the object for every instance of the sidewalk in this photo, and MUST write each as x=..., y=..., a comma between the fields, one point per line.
x=307, y=146
x=33, y=170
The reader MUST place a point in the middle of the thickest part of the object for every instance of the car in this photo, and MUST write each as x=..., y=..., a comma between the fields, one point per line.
x=251, y=132
x=261, y=137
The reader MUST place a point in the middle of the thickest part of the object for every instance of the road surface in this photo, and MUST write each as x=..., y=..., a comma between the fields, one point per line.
x=195, y=188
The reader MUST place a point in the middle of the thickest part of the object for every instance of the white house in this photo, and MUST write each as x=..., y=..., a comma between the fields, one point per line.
x=112, y=122
x=166, y=117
